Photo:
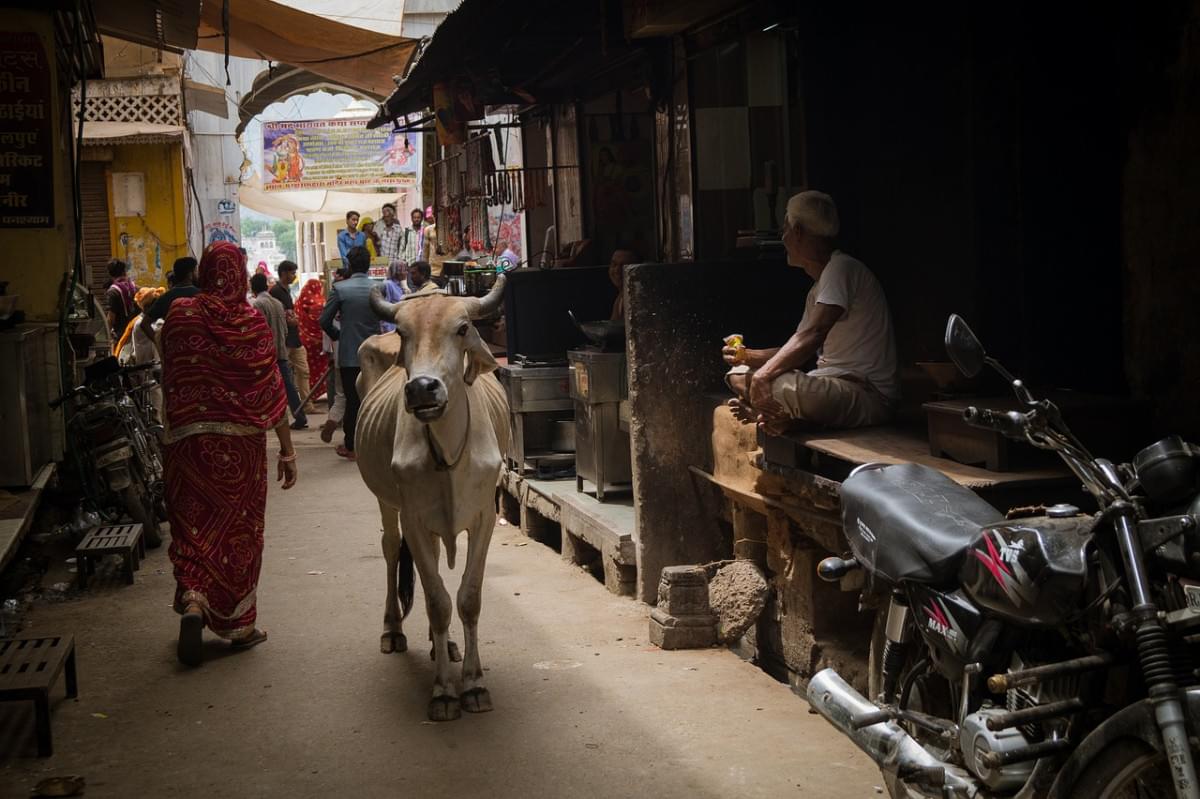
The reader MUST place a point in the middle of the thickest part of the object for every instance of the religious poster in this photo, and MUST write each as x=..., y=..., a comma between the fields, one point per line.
x=26, y=121
x=337, y=154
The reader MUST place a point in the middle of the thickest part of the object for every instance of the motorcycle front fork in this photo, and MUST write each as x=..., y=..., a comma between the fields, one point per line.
x=1155, y=656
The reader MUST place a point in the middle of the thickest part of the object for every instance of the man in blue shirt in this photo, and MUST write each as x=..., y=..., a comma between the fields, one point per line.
x=352, y=299
x=350, y=237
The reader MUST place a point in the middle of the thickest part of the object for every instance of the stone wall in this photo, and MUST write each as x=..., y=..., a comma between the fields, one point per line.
x=1160, y=206
x=677, y=315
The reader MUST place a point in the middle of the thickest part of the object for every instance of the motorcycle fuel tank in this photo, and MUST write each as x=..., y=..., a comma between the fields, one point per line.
x=1030, y=571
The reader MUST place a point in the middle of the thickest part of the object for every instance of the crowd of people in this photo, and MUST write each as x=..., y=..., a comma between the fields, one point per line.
x=238, y=352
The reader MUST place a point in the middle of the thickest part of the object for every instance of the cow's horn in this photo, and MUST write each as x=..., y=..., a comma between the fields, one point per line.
x=489, y=304
x=383, y=309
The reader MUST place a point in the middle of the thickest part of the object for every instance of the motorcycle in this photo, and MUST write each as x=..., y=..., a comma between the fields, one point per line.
x=1053, y=655
x=112, y=448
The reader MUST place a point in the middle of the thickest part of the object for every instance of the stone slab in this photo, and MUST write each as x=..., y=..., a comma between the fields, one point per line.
x=16, y=519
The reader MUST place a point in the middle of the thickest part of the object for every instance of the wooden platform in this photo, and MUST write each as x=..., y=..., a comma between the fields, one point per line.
x=897, y=445
x=29, y=667
x=591, y=534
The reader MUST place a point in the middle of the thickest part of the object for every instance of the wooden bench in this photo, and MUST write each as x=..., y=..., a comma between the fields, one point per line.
x=29, y=667
x=118, y=539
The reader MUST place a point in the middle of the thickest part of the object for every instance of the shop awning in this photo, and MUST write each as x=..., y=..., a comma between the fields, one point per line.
x=98, y=132
x=165, y=24
x=209, y=99
x=313, y=206
x=353, y=57
x=537, y=55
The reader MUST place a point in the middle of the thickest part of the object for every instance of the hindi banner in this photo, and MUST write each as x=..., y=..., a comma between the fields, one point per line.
x=26, y=128
x=337, y=154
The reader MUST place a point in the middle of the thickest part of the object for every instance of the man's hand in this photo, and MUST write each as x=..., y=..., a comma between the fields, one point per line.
x=751, y=358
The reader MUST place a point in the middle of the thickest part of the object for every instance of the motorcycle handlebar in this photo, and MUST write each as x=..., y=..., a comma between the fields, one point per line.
x=1011, y=424
x=140, y=367
x=75, y=392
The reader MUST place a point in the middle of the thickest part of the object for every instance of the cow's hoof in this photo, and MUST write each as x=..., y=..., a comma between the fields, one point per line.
x=444, y=708
x=455, y=654
x=393, y=642
x=477, y=700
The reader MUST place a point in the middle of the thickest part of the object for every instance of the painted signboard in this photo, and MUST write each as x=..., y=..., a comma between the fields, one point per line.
x=26, y=120
x=335, y=154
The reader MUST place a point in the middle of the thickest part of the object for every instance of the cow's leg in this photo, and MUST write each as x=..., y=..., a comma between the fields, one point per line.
x=444, y=704
x=393, y=639
x=475, y=698
x=455, y=654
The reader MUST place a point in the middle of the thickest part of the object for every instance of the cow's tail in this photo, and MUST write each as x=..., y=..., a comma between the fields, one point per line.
x=405, y=585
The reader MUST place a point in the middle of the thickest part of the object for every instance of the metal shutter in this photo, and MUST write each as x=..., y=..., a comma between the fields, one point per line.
x=97, y=236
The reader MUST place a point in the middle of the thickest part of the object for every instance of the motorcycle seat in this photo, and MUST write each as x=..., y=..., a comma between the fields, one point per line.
x=911, y=522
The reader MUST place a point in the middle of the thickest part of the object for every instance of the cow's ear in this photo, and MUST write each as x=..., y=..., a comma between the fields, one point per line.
x=480, y=360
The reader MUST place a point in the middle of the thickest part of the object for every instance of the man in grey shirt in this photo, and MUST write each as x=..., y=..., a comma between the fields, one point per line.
x=352, y=299
x=276, y=318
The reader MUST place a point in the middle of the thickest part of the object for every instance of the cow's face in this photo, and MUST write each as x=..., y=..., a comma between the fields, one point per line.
x=441, y=351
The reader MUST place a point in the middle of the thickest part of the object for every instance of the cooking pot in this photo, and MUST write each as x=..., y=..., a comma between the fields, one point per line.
x=606, y=334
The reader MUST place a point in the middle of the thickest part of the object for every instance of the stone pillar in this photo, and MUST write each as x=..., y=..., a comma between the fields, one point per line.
x=683, y=619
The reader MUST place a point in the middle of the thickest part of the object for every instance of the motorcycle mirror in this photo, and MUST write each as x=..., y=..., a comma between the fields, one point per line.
x=963, y=347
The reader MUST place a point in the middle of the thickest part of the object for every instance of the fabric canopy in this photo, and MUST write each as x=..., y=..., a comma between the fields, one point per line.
x=119, y=130
x=354, y=57
x=313, y=206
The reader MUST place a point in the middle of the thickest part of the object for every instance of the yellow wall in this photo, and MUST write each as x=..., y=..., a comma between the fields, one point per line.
x=35, y=260
x=150, y=244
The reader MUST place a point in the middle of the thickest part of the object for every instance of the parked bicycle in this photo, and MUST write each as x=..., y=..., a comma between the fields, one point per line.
x=116, y=453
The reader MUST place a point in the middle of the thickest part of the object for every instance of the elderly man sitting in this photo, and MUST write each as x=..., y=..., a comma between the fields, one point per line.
x=846, y=327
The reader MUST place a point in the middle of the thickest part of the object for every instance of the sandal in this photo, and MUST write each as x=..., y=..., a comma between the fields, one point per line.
x=253, y=639
x=190, y=649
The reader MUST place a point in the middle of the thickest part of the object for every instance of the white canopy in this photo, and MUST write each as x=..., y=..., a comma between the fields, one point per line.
x=315, y=205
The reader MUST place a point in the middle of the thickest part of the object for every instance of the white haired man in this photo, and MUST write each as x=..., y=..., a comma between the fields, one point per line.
x=846, y=328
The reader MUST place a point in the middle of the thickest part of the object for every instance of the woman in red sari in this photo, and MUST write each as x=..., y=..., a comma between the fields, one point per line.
x=223, y=392
x=309, y=305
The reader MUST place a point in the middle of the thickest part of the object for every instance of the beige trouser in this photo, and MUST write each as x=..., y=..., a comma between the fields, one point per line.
x=298, y=359
x=831, y=401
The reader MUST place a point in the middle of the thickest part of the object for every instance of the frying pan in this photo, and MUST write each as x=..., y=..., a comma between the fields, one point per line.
x=607, y=335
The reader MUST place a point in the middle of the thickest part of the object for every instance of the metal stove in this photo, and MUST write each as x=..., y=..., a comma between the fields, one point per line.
x=598, y=387
x=540, y=410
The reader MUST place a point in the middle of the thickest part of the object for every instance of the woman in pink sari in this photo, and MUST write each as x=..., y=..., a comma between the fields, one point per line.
x=223, y=392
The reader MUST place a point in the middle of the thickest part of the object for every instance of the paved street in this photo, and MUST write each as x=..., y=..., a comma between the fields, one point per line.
x=584, y=705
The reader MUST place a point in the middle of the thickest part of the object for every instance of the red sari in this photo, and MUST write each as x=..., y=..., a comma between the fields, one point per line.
x=309, y=305
x=223, y=391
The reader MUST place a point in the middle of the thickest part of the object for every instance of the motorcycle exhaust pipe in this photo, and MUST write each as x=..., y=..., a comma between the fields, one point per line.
x=885, y=742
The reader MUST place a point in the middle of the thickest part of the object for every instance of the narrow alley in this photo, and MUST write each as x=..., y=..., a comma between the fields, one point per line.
x=585, y=706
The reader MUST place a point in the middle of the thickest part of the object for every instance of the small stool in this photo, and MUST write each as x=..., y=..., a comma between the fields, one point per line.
x=28, y=669
x=118, y=539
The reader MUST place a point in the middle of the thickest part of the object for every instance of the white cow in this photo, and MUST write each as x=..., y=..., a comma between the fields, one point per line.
x=431, y=437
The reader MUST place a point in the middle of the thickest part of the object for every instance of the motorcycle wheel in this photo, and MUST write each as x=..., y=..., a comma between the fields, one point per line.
x=1127, y=769
x=140, y=510
x=930, y=693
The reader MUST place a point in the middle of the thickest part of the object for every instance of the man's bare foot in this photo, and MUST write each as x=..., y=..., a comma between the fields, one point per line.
x=742, y=411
